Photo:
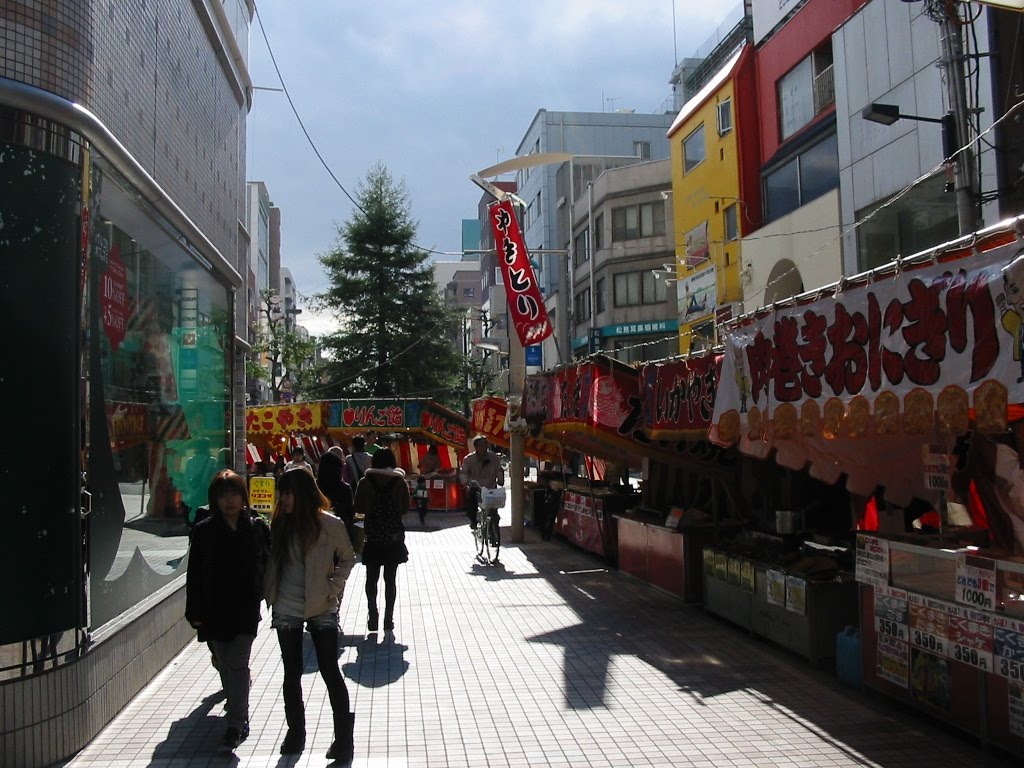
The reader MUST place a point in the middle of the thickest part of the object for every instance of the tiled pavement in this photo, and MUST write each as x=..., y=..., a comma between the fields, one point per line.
x=548, y=659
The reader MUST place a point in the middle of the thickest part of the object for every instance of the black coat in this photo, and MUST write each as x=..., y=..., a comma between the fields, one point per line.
x=224, y=585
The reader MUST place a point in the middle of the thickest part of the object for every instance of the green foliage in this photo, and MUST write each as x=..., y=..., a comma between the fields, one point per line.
x=397, y=338
x=290, y=355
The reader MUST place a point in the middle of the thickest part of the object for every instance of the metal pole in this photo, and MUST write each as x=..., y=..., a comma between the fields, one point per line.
x=592, y=254
x=964, y=165
x=569, y=273
x=517, y=441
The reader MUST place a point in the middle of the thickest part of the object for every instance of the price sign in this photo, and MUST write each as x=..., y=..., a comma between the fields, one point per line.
x=709, y=562
x=776, y=588
x=891, y=612
x=976, y=581
x=893, y=661
x=796, y=595
x=1008, y=647
x=929, y=624
x=261, y=494
x=970, y=638
x=747, y=576
x=721, y=566
x=734, y=571
x=872, y=563
x=936, y=467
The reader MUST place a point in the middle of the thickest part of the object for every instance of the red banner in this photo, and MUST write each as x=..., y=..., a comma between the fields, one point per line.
x=525, y=304
x=679, y=397
x=489, y=419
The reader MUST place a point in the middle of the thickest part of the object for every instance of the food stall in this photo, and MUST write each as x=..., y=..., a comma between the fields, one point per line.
x=904, y=385
x=414, y=424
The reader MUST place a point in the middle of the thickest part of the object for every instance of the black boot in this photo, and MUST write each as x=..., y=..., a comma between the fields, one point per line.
x=372, y=619
x=295, y=739
x=343, y=747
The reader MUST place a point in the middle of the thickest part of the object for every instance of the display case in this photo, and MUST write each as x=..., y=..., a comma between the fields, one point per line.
x=585, y=518
x=943, y=630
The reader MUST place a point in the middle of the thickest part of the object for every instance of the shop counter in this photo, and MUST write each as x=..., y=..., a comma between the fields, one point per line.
x=665, y=557
x=801, y=615
x=943, y=630
x=585, y=519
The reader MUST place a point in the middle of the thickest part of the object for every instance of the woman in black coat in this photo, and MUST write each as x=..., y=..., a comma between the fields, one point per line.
x=224, y=586
x=337, y=491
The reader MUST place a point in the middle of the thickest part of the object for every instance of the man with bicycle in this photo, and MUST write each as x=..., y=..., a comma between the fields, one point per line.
x=480, y=469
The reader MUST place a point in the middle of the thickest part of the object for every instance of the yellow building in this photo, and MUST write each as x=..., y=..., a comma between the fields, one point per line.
x=709, y=140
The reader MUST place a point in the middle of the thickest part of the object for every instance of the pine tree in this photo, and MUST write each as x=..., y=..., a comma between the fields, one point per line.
x=397, y=339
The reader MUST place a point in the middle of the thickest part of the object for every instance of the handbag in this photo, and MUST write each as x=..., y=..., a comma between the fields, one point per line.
x=358, y=536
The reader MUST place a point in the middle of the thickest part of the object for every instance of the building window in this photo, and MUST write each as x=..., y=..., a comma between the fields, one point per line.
x=632, y=289
x=598, y=229
x=724, y=117
x=801, y=179
x=731, y=223
x=581, y=306
x=642, y=149
x=600, y=300
x=469, y=293
x=806, y=90
x=581, y=248
x=634, y=221
x=694, y=150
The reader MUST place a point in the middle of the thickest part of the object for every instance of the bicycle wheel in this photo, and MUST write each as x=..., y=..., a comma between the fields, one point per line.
x=494, y=535
x=481, y=538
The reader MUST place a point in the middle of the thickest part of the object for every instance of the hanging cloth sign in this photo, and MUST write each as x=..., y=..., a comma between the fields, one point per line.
x=525, y=304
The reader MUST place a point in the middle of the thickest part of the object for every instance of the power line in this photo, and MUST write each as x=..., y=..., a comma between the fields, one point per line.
x=309, y=138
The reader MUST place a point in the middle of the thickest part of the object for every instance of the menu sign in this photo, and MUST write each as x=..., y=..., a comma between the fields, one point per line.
x=721, y=566
x=872, y=563
x=891, y=613
x=747, y=576
x=1008, y=647
x=796, y=595
x=734, y=571
x=709, y=562
x=776, y=588
x=929, y=624
x=893, y=660
x=970, y=637
x=976, y=581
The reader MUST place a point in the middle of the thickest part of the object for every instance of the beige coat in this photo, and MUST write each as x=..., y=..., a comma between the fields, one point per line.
x=328, y=564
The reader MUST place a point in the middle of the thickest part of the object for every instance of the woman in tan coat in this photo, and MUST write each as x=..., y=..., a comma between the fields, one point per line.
x=383, y=497
x=310, y=559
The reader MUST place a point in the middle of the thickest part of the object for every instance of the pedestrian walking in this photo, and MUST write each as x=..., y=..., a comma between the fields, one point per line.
x=223, y=589
x=337, y=491
x=382, y=496
x=311, y=557
x=358, y=461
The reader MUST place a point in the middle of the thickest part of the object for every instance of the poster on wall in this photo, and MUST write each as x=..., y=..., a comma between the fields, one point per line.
x=893, y=663
x=929, y=679
x=796, y=595
x=697, y=249
x=698, y=294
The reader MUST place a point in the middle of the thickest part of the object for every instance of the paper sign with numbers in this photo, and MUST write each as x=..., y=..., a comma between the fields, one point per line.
x=1008, y=647
x=970, y=637
x=891, y=613
x=929, y=624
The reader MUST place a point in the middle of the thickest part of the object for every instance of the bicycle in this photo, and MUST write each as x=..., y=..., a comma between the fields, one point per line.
x=487, y=532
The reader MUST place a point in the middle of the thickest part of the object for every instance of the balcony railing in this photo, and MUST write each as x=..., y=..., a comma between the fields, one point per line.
x=824, y=89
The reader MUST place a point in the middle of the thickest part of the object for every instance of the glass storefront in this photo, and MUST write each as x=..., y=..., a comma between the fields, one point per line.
x=123, y=337
x=160, y=387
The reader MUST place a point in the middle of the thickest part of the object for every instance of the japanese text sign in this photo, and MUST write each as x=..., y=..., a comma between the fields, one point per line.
x=528, y=314
x=679, y=397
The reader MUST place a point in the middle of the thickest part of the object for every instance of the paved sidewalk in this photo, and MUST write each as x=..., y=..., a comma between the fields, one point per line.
x=548, y=659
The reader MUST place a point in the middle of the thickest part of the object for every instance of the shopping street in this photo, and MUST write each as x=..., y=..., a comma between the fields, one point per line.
x=548, y=659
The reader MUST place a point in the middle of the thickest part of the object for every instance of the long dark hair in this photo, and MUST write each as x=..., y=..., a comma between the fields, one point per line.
x=328, y=478
x=303, y=523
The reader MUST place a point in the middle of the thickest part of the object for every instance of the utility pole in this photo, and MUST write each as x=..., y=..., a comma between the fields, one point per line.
x=964, y=163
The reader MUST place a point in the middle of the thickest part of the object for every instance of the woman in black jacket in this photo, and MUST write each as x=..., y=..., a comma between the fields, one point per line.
x=337, y=491
x=227, y=559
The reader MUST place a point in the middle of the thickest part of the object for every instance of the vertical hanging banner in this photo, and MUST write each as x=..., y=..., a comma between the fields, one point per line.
x=525, y=304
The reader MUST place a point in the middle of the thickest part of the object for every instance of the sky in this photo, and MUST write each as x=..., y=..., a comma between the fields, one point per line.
x=436, y=91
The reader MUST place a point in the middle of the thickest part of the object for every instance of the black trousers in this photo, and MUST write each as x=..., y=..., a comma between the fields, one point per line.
x=325, y=645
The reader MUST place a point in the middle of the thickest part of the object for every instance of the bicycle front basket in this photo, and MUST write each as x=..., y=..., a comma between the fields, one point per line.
x=492, y=498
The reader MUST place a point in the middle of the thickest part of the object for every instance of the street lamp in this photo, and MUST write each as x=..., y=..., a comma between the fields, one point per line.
x=887, y=114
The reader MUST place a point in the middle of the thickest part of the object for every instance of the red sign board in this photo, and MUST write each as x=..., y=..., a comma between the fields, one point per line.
x=525, y=304
x=114, y=298
x=679, y=397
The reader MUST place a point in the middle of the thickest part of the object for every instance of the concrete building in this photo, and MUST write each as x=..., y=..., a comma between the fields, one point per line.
x=624, y=300
x=122, y=196
x=621, y=137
